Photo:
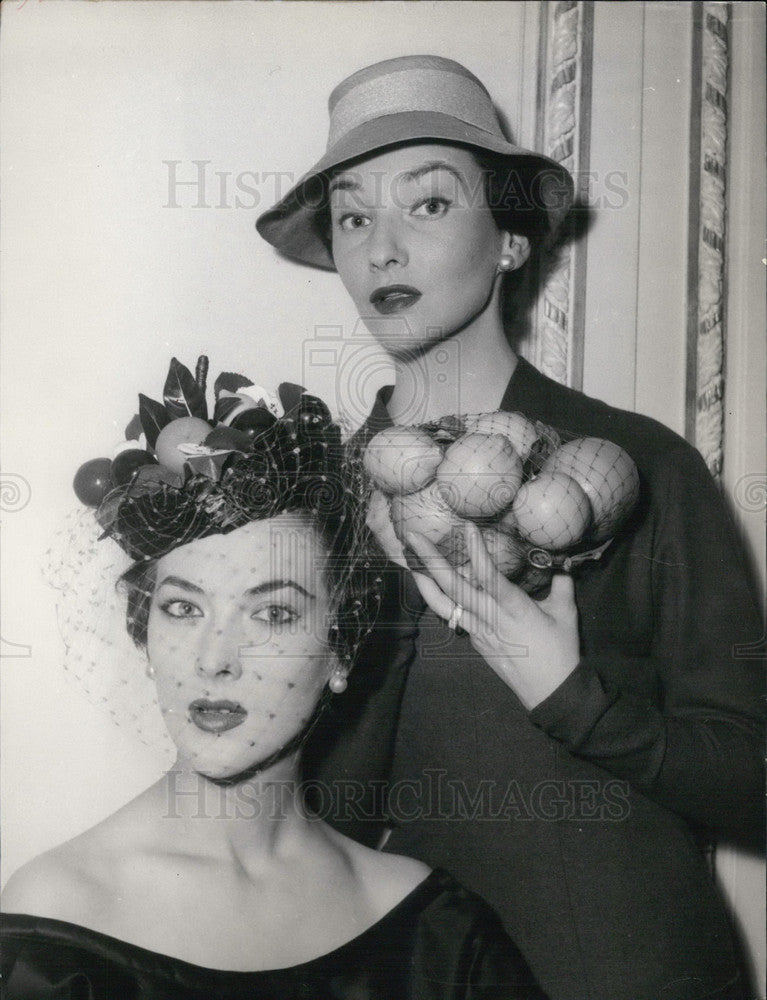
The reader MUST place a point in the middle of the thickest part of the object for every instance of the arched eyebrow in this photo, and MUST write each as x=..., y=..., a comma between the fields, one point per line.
x=342, y=183
x=426, y=168
x=348, y=183
x=178, y=581
x=260, y=588
x=270, y=585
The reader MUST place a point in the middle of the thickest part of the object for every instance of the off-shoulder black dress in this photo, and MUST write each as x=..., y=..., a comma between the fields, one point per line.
x=439, y=943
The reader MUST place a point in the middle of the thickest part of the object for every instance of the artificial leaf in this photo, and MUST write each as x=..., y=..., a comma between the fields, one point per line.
x=230, y=381
x=134, y=428
x=152, y=478
x=290, y=395
x=225, y=405
x=208, y=465
x=183, y=397
x=228, y=439
x=153, y=417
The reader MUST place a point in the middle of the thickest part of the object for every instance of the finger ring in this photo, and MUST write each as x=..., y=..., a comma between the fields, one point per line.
x=455, y=617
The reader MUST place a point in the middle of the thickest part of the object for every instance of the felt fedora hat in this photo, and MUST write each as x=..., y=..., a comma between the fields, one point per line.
x=405, y=100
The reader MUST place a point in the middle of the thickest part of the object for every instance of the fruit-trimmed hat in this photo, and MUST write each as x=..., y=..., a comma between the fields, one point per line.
x=410, y=99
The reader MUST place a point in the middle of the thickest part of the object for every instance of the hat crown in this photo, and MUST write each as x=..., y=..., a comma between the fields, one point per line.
x=409, y=84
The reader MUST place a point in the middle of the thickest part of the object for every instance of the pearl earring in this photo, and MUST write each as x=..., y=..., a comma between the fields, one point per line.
x=149, y=670
x=506, y=263
x=338, y=682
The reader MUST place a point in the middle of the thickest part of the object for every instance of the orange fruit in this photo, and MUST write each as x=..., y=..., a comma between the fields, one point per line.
x=402, y=459
x=606, y=473
x=480, y=474
x=520, y=431
x=184, y=430
x=552, y=511
x=425, y=512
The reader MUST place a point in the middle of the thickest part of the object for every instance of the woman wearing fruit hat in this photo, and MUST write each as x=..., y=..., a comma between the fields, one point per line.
x=253, y=580
x=561, y=755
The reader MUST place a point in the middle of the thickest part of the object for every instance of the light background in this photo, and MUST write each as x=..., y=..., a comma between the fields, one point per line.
x=102, y=281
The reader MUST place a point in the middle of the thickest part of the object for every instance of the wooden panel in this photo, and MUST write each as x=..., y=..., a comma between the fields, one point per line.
x=663, y=237
x=615, y=166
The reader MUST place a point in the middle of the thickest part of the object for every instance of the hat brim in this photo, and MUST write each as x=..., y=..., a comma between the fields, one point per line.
x=536, y=182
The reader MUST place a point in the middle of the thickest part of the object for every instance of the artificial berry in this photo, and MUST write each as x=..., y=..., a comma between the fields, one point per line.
x=93, y=480
x=253, y=422
x=126, y=462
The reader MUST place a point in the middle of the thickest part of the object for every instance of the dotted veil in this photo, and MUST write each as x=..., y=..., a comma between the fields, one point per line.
x=182, y=477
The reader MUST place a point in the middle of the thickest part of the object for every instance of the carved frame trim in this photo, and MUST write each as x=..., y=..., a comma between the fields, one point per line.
x=706, y=279
x=564, y=133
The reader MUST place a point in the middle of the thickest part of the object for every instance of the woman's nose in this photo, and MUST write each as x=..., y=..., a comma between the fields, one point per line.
x=218, y=657
x=387, y=246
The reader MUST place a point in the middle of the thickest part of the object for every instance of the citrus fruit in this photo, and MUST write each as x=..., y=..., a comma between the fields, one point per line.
x=402, y=459
x=426, y=512
x=517, y=428
x=552, y=511
x=607, y=475
x=480, y=474
x=184, y=430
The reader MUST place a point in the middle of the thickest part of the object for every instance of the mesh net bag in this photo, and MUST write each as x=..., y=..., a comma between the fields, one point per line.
x=543, y=499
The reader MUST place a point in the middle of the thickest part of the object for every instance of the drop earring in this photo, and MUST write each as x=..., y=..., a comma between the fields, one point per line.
x=150, y=671
x=338, y=682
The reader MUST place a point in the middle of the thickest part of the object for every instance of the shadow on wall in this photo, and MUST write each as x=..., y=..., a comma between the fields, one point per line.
x=522, y=288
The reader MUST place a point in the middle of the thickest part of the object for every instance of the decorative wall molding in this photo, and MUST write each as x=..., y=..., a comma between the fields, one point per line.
x=564, y=109
x=706, y=334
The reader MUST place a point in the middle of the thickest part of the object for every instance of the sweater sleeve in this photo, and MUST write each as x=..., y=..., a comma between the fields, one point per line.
x=697, y=747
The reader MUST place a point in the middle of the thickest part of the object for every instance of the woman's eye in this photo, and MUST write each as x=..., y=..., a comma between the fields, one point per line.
x=181, y=609
x=353, y=221
x=431, y=208
x=275, y=614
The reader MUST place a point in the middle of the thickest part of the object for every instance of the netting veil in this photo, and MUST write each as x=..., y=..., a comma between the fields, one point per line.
x=258, y=457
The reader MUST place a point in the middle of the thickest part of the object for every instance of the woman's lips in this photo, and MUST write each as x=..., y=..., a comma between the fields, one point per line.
x=216, y=716
x=394, y=298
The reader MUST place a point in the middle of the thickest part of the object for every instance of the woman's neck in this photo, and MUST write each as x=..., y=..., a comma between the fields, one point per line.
x=255, y=821
x=466, y=373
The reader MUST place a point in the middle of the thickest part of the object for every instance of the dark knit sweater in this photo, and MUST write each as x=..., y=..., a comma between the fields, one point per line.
x=578, y=821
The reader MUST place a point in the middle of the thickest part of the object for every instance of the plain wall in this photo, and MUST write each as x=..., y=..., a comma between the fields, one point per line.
x=102, y=282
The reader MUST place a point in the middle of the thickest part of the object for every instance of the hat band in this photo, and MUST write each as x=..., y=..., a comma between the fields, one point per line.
x=413, y=90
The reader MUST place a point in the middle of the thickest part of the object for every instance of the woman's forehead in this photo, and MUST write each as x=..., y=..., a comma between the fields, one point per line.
x=416, y=161
x=286, y=546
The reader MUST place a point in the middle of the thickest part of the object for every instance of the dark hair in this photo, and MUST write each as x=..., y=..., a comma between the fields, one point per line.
x=299, y=466
x=352, y=574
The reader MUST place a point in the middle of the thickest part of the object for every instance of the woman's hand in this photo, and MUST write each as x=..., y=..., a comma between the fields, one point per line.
x=532, y=645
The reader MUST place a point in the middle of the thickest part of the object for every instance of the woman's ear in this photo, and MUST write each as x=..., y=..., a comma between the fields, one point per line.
x=515, y=250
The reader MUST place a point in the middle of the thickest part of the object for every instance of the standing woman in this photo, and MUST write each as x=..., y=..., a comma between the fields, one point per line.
x=595, y=736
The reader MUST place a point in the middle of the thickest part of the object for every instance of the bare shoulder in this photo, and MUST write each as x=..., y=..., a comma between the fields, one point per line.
x=69, y=882
x=388, y=878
